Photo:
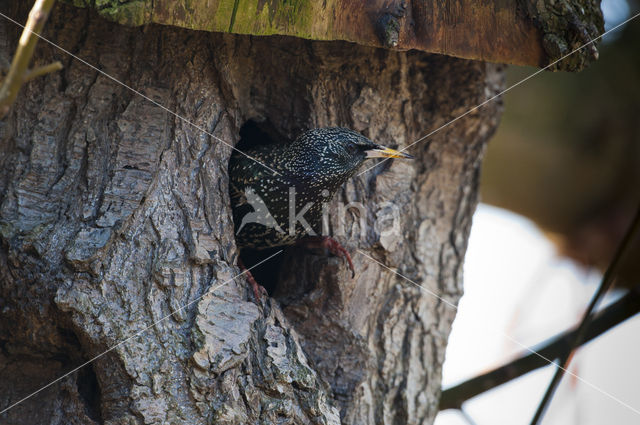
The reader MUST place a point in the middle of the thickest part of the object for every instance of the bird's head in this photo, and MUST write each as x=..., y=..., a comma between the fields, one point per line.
x=334, y=153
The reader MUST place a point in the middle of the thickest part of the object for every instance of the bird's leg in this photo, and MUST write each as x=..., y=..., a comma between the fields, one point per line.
x=328, y=244
x=257, y=288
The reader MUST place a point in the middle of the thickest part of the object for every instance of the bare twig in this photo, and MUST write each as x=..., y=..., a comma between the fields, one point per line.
x=42, y=70
x=607, y=281
x=18, y=71
x=611, y=316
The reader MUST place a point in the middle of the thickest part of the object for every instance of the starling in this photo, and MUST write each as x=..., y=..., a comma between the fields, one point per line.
x=277, y=196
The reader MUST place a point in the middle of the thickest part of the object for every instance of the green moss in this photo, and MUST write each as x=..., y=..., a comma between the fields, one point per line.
x=132, y=13
x=256, y=17
x=125, y=12
x=293, y=17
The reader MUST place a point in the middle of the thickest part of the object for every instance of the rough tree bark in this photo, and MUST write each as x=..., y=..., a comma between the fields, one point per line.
x=114, y=213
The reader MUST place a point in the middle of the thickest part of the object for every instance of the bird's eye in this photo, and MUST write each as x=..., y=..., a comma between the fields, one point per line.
x=352, y=149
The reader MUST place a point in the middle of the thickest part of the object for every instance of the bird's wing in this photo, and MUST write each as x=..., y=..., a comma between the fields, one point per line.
x=246, y=172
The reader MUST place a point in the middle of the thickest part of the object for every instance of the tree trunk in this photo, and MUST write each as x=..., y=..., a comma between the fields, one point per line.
x=114, y=213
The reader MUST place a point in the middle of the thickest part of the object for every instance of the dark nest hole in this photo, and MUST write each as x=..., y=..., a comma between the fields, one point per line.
x=254, y=133
x=38, y=373
x=89, y=390
x=86, y=379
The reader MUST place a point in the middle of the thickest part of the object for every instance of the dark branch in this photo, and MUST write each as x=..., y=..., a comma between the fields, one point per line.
x=616, y=313
x=607, y=281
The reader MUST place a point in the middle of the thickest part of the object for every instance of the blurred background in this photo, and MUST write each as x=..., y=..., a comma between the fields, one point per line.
x=560, y=185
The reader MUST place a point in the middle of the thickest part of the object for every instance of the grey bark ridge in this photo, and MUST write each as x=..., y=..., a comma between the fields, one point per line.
x=114, y=213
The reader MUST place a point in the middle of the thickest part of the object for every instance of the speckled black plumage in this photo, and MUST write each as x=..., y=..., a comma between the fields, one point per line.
x=316, y=164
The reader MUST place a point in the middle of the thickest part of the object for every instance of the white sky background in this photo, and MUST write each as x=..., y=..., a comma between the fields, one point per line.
x=516, y=285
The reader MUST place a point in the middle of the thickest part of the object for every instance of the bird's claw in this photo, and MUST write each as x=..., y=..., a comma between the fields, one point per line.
x=338, y=250
x=333, y=247
x=258, y=290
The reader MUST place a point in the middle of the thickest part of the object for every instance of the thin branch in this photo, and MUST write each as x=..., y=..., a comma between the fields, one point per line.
x=42, y=70
x=609, y=317
x=607, y=281
x=467, y=417
x=18, y=70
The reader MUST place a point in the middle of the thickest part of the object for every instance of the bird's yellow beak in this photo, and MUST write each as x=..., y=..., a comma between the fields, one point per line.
x=384, y=152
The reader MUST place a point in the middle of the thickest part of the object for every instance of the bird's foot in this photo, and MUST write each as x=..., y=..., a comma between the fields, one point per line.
x=331, y=245
x=258, y=290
